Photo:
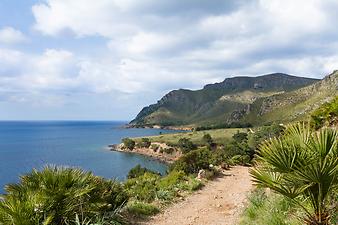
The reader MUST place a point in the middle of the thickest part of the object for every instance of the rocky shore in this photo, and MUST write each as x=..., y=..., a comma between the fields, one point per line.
x=157, y=151
x=179, y=128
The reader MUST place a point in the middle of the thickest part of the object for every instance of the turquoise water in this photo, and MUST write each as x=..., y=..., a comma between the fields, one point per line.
x=31, y=144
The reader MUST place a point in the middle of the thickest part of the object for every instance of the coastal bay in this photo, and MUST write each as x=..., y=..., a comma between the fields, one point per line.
x=25, y=145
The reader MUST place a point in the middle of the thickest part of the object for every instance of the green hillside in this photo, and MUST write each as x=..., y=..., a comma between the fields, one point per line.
x=294, y=105
x=241, y=100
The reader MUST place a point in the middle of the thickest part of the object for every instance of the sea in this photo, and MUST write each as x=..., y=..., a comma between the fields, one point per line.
x=25, y=145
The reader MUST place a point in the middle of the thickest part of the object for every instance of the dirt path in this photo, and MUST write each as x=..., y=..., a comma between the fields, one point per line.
x=219, y=202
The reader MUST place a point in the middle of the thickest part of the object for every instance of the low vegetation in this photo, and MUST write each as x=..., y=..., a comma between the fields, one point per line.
x=326, y=115
x=58, y=195
x=144, y=143
x=270, y=209
x=128, y=143
x=149, y=192
x=139, y=171
x=186, y=145
x=219, y=136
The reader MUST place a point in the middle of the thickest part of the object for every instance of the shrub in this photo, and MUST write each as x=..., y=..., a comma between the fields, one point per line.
x=169, y=150
x=172, y=179
x=143, y=188
x=240, y=160
x=144, y=143
x=326, y=115
x=128, y=143
x=194, y=184
x=166, y=195
x=142, y=209
x=193, y=161
x=139, y=171
x=240, y=137
x=154, y=147
x=186, y=145
x=56, y=195
x=207, y=139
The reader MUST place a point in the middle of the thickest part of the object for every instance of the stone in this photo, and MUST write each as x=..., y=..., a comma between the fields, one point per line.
x=201, y=174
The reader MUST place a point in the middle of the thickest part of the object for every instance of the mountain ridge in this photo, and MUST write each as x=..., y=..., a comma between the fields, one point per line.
x=234, y=100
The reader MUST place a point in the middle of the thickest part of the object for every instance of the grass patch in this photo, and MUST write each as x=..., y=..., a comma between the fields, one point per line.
x=271, y=209
x=220, y=136
x=142, y=209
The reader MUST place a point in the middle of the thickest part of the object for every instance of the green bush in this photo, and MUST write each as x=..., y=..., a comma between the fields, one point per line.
x=240, y=137
x=128, y=143
x=169, y=150
x=326, y=115
x=194, y=184
x=166, y=195
x=154, y=147
x=193, y=161
x=172, y=179
x=240, y=160
x=143, y=188
x=142, y=209
x=56, y=195
x=139, y=171
x=207, y=140
x=186, y=145
x=144, y=143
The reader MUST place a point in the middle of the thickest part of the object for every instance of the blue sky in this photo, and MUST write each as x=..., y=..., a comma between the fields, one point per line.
x=106, y=59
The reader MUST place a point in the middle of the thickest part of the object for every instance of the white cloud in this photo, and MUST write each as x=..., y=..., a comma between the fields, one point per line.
x=9, y=35
x=151, y=46
x=83, y=17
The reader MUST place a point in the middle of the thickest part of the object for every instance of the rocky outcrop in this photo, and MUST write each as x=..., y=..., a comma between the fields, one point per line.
x=157, y=150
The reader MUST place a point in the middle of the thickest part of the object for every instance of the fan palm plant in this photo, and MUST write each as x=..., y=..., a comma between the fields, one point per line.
x=303, y=166
x=56, y=194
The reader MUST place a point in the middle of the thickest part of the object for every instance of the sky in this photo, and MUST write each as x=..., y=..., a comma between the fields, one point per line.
x=106, y=59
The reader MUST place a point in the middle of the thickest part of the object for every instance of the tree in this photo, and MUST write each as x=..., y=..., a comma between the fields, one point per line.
x=128, y=143
x=303, y=166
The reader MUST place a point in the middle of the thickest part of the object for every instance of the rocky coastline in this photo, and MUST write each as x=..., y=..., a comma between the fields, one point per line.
x=178, y=128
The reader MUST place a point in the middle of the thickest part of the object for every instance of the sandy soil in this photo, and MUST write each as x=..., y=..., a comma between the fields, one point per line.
x=220, y=202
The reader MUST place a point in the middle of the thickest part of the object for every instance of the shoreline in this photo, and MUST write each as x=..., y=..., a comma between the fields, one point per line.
x=178, y=128
x=148, y=152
